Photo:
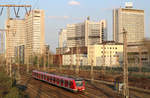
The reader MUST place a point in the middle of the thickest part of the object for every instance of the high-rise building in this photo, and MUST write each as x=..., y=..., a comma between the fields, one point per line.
x=75, y=35
x=86, y=33
x=35, y=33
x=95, y=32
x=62, y=38
x=15, y=36
x=132, y=20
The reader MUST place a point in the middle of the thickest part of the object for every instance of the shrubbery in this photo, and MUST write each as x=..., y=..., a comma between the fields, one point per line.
x=7, y=90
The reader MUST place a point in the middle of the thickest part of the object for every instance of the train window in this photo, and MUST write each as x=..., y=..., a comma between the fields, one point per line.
x=54, y=79
x=79, y=83
x=51, y=79
x=69, y=83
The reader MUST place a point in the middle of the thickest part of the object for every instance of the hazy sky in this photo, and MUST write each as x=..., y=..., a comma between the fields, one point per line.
x=62, y=12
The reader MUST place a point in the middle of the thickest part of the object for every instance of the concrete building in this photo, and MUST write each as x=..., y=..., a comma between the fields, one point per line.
x=63, y=38
x=95, y=32
x=75, y=35
x=132, y=20
x=20, y=54
x=138, y=56
x=72, y=59
x=86, y=33
x=106, y=54
x=35, y=32
x=15, y=36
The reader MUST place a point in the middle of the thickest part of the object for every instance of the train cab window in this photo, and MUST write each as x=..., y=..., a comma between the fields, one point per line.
x=79, y=82
x=71, y=83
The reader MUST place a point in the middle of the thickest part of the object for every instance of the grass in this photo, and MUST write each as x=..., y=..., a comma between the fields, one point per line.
x=8, y=88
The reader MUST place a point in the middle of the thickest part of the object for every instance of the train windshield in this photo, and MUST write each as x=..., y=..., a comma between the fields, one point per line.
x=79, y=83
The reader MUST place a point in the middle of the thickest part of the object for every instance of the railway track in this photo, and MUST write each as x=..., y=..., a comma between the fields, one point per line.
x=56, y=92
x=91, y=92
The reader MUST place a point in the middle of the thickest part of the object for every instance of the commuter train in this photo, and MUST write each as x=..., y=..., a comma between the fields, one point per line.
x=72, y=84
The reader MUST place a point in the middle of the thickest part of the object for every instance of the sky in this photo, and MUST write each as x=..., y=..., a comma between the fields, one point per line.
x=59, y=13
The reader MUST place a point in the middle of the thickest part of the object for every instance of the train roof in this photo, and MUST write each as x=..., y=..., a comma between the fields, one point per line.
x=58, y=76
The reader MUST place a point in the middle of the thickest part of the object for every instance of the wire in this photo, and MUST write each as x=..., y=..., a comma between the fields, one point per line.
x=36, y=4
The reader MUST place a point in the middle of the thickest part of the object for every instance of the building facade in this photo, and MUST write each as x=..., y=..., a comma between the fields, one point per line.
x=86, y=33
x=15, y=36
x=74, y=59
x=63, y=38
x=106, y=54
x=138, y=56
x=20, y=54
x=35, y=33
x=132, y=20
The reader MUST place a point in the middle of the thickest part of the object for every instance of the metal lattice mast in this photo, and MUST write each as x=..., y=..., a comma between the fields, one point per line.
x=77, y=57
x=92, y=75
x=71, y=65
x=8, y=59
x=125, y=66
x=104, y=57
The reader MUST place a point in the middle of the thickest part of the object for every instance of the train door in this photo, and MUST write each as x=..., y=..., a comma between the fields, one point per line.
x=62, y=82
x=42, y=76
x=71, y=84
x=57, y=81
x=47, y=78
x=66, y=83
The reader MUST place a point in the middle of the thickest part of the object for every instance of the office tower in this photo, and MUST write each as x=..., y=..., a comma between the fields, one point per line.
x=35, y=33
x=95, y=32
x=15, y=36
x=86, y=33
x=62, y=38
x=75, y=35
x=132, y=20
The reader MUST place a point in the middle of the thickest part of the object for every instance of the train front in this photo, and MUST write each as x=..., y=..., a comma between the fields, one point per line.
x=80, y=84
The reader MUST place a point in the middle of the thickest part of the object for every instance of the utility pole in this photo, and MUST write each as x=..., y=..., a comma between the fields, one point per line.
x=92, y=76
x=10, y=66
x=44, y=60
x=125, y=66
x=104, y=58
x=140, y=57
x=71, y=65
x=77, y=64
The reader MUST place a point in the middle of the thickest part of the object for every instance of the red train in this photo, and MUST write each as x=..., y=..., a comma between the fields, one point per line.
x=72, y=84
